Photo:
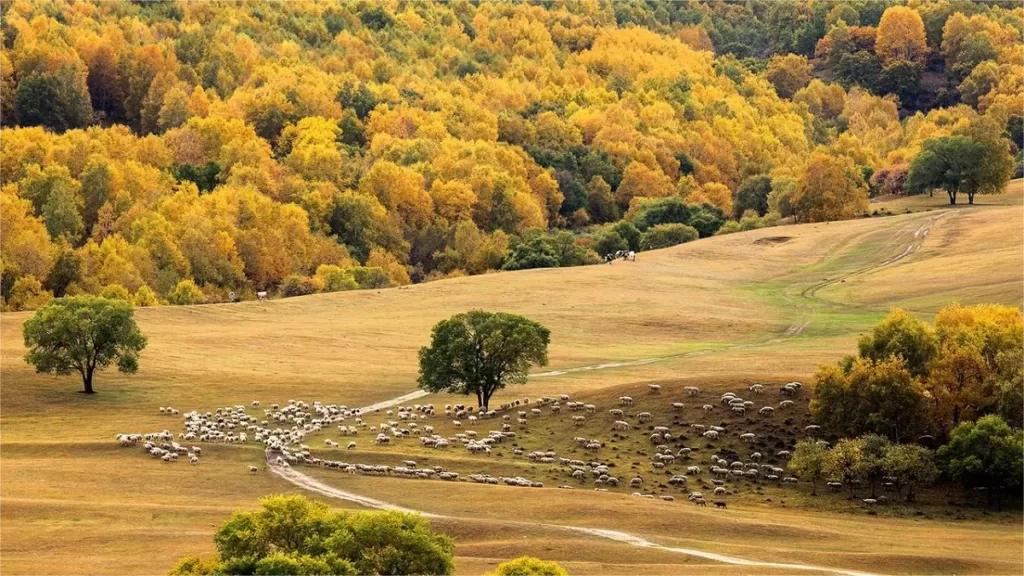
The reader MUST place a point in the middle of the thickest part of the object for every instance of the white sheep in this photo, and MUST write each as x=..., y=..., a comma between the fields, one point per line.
x=253, y=470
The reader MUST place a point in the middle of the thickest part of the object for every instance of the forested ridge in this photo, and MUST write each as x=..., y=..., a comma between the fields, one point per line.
x=178, y=152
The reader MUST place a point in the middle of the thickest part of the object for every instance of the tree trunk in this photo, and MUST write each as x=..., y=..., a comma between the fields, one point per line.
x=479, y=399
x=970, y=198
x=87, y=381
x=814, y=486
x=952, y=198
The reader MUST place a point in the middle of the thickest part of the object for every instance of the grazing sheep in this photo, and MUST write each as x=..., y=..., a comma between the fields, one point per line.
x=757, y=389
x=253, y=470
x=617, y=413
x=693, y=470
x=620, y=425
x=720, y=504
x=655, y=388
x=720, y=491
x=351, y=446
x=644, y=417
x=691, y=390
x=625, y=401
x=668, y=498
x=748, y=437
x=712, y=434
x=766, y=411
x=677, y=406
x=708, y=407
x=579, y=420
x=786, y=404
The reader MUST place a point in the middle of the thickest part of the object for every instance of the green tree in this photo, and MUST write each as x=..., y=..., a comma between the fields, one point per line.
x=902, y=78
x=910, y=466
x=528, y=566
x=863, y=397
x=629, y=233
x=873, y=450
x=83, y=334
x=961, y=164
x=535, y=253
x=609, y=243
x=66, y=269
x=481, y=352
x=810, y=460
x=665, y=235
x=294, y=535
x=900, y=334
x=752, y=194
x=985, y=454
x=57, y=100
x=185, y=293
x=845, y=462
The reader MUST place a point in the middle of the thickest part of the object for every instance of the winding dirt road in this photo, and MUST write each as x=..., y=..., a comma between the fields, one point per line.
x=313, y=485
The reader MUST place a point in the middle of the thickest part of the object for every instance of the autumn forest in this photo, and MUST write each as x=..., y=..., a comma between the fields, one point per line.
x=188, y=152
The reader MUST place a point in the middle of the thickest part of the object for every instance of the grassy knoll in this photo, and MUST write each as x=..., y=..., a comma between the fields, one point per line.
x=767, y=305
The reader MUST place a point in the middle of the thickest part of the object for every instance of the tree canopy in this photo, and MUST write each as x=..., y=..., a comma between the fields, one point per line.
x=83, y=334
x=295, y=535
x=481, y=352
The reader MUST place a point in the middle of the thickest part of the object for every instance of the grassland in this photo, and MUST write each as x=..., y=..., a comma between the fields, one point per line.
x=767, y=305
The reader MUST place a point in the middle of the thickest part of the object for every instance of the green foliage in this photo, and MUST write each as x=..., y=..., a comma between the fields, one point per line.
x=610, y=242
x=752, y=194
x=665, y=235
x=66, y=270
x=909, y=466
x=900, y=334
x=810, y=460
x=186, y=293
x=297, y=285
x=903, y=79
x=961, y=164
x=987, y=453
x=204, y=177
x=83, y=334
x=116, y=292
x=869, y=397
x=629, y=233
x=528, y=566
x=480, y=352
x=535, y=253
x=292, y=535
x=668, y=210
x=58, y=100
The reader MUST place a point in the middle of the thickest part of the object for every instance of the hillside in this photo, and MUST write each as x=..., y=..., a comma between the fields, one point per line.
x=179, y=152
x=720, y=313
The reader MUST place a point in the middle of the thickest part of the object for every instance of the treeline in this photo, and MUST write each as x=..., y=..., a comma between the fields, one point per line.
x=957, y=384
x=179, y=152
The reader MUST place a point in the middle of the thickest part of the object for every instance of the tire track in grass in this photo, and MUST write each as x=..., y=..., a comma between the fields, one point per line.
x=311, y=484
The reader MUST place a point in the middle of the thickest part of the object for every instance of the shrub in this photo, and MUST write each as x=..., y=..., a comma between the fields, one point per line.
x=296, y=285
x=144, y=297
x=335, y=278
x=610, y=243
x=185, y=293
x=295, y=535
x=371, y=277
x=116, y=292
x=665, y=235
x=535, y=253
x=27, y=294
x=529, y=566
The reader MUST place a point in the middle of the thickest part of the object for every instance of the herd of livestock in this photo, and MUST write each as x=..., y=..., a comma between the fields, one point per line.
x=283, y=430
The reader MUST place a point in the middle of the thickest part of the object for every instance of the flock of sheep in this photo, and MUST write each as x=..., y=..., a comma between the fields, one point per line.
x=283, y=429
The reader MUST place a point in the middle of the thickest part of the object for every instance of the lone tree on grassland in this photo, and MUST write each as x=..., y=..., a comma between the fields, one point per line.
x=481, y=352
x=82, y=334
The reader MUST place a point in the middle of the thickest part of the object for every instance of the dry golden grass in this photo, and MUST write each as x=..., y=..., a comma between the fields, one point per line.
x=73, y=502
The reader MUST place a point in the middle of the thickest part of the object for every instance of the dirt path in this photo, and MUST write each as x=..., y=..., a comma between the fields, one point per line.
x=313, y=485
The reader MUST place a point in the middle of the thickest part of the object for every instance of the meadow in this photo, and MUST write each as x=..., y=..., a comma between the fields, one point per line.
x=720, y=313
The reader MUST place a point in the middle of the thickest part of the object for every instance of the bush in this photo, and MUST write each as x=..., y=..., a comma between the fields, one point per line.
x=27, y=294
x=116, y=292
x=185, y=293
x=665, y=235
x=295, y=535
x=529, y=566
x=296, y=285
x=629, y=233
x=610, y=243
x=535, y=253
x=336, y=278
x=371, y=277
x=668, y=210
x=144, y=297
